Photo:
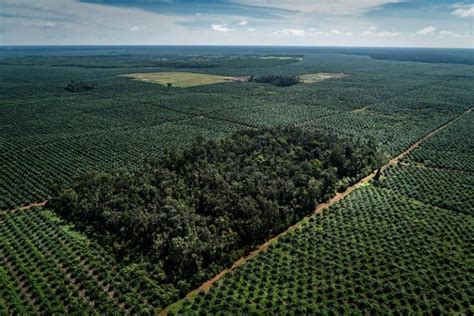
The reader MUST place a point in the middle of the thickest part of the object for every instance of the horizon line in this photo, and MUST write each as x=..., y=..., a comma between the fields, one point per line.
x=225, y=45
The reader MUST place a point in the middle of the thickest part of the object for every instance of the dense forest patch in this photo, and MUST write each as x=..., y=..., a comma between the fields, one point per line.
x=191, y=213
x=78, y=86
x=181, y=79
x=279, y=81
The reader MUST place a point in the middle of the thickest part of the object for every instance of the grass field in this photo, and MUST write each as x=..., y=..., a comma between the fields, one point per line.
x=180, y=79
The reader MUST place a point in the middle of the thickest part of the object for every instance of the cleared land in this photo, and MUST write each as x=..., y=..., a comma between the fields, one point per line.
x=320, y=76
x=281, y=57
x=181, y=79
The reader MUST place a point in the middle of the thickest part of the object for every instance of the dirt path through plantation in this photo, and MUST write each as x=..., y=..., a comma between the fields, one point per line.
x=26, y=207
x=319, y=209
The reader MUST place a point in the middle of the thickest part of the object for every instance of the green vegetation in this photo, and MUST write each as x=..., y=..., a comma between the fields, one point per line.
x=400, y=244
x=180, y=79
x=443, y=188
x=375, y=251
x=49, y=134
x=278, y=81
x=78, y=87
x=46, y=270
x=190, y=214
x=451, y=150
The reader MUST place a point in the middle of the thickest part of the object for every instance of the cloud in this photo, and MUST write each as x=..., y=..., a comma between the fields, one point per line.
x=71, y=22
x=426, y=31
x=452, y=34
x=222, y=28
x=243, y=23
x=138, y=28
x=337, y=32
x=319, y=33
x=463, y=10
x=49, y=24
x=431, y=30
x=327, y=7
x=291, y=32
x=104, y=22
x=372, y=31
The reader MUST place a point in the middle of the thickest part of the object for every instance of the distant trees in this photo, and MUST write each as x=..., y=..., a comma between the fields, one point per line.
x=194, y=212
x=279, y=81
x=78, y=86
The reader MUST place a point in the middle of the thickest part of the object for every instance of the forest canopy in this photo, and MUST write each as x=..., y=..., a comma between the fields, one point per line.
x=190, y=213
x=279, y=81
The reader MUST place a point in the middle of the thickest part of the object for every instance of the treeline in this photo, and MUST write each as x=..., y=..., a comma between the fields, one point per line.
x=279, y=81
x=189, y=214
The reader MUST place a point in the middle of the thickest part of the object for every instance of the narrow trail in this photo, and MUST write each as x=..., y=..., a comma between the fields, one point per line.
x=26, y=207
x=318, y=210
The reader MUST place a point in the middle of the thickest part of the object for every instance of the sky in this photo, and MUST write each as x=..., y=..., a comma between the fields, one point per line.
x=376, y=23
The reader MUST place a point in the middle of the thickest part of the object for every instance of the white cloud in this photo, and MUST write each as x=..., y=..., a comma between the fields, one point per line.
x=49, y=24
x=452, y=34
x=327, y=7
x=138, y=28
x=292, y=32
x=463, y=10
x=222, y=28
x=431, y=30
x=243, y=23
x=77, y=22
x=314, y=31
x=337, y=32
x=73, y=22
x=372, y=31
x=426, y=31
x=319, y=33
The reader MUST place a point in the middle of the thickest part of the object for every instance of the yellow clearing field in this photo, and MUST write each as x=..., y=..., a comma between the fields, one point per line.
x=181, y=79
x=320, y=76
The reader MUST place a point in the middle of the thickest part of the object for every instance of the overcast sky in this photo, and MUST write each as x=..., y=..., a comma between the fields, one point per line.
x=412, y=23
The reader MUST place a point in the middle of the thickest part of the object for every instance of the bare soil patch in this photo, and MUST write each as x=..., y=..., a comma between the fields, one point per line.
x=320, y=76
x=182, y=79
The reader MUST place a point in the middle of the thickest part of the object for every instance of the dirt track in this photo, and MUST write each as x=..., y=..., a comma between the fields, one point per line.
x=26, y=207
x=319, y=209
